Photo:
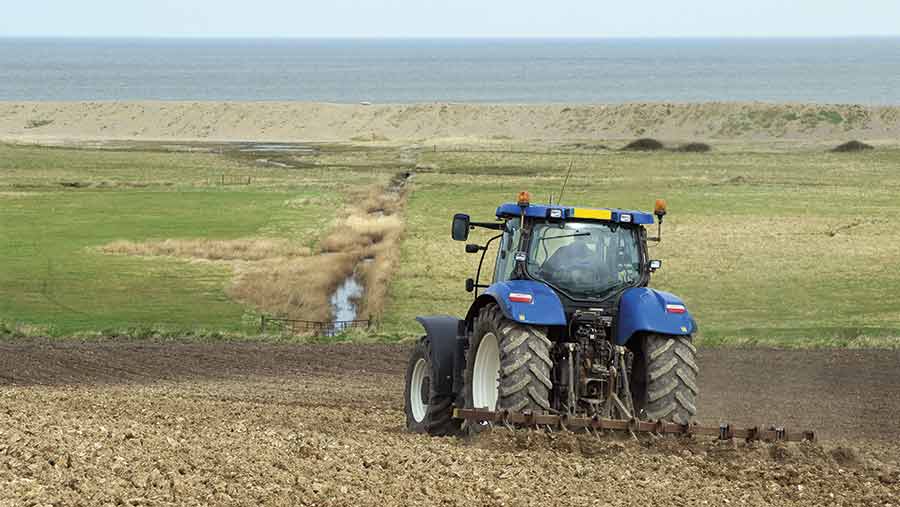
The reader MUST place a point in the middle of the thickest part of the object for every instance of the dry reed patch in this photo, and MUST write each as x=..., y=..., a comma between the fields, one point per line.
x=297, y=288
x=209, y=249
x=362, y=233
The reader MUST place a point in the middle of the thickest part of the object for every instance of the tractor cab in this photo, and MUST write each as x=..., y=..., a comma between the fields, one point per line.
x=585, y=255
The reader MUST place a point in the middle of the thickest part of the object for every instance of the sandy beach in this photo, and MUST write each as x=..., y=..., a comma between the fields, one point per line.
x=303, y=121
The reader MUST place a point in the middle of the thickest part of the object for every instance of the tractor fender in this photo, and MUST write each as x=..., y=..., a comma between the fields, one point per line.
x=445, y=350
x=545, y=308
x=642, y=309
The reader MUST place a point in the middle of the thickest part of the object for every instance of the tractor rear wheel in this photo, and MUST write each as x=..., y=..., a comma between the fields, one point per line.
x=664, y=380
x=426, y=411
x=507, y=365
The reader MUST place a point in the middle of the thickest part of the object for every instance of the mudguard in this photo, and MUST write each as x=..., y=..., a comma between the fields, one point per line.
x=445, y=350
x=644, y=309
x=545, y=308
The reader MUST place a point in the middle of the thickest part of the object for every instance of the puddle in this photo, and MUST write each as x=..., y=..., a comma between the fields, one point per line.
x=343, y=302
x=266, y=161
x=278, y=148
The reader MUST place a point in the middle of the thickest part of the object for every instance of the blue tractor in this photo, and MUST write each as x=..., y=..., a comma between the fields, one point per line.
x=568, y=327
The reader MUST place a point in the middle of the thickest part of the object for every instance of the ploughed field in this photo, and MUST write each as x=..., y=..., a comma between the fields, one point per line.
x=261, y=424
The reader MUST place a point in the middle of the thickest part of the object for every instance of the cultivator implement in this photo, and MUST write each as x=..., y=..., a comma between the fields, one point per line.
x=568, y=336
x=633, y=426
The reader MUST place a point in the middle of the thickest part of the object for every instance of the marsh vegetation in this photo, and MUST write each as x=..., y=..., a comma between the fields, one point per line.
x=768, y=244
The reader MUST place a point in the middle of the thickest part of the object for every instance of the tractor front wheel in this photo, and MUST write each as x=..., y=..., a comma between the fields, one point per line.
x=508, y=365
x=664, y=379
x=426, y=411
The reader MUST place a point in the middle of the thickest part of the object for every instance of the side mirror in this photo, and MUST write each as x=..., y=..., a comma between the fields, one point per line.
x=460, y=229
x=654, y=265
x=470, y=285
x=473, y=248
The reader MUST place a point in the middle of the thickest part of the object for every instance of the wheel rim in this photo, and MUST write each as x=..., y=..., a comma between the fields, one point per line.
x=417, y=390
x=486, y=373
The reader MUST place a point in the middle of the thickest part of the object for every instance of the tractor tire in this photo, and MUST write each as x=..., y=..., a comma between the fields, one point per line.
x=664, y=380
x=520, y=354
x=426, y=412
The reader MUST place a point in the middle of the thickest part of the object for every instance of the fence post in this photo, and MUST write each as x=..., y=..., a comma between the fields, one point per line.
x=262, y=323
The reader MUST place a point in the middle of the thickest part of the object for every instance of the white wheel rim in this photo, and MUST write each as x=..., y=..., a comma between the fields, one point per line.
x=415, y=391
x=486, y=373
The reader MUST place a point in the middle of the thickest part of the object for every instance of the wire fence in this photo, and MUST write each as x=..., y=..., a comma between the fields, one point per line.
x=226, y=180
x=318, y=328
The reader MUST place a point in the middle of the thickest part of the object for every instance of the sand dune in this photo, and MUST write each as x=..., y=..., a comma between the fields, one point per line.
x=298, y=121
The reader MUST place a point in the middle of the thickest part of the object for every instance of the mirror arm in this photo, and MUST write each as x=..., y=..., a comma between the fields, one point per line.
x=496, y=226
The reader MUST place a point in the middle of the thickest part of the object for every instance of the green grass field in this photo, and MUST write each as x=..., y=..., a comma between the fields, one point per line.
x=57, y=206
x=767, y=246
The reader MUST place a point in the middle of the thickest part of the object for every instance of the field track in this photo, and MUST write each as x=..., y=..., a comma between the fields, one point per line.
x=840, y=393
x=250, y=424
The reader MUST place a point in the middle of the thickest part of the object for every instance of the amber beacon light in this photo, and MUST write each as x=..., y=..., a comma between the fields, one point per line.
x=660, y=208
x=524, y=199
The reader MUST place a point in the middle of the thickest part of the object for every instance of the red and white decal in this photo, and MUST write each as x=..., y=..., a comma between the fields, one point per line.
x=675, y=308
x=517, y=297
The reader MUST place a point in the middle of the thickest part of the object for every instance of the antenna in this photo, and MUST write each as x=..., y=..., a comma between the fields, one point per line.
x=559, y=197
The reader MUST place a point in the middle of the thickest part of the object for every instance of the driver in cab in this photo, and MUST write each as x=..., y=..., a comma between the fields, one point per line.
x=580, y=260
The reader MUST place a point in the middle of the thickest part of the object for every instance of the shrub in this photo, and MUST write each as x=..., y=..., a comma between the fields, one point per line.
x=852, y=146
x=694, y=148
x=36, y=124
x=644, y=144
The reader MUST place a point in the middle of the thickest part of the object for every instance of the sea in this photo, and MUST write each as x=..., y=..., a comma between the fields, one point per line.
x=844, y=70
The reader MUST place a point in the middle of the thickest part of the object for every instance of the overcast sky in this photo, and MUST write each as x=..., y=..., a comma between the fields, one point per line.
x=450, y=18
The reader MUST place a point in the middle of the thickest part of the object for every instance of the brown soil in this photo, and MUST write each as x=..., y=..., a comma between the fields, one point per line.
x=254, y=424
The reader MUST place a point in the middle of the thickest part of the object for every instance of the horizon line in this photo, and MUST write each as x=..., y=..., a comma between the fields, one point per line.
x=450, y=37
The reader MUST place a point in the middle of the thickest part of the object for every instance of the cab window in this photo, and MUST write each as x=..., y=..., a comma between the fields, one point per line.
x=506, y=255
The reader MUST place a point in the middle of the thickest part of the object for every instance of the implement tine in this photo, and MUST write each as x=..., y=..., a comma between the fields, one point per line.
x=505, y=420
x=752, y=434
x=725, y=432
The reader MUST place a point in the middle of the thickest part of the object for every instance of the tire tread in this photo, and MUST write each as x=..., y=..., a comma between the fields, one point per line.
x=525, y=362
x=438, y=419
x=671, y=378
